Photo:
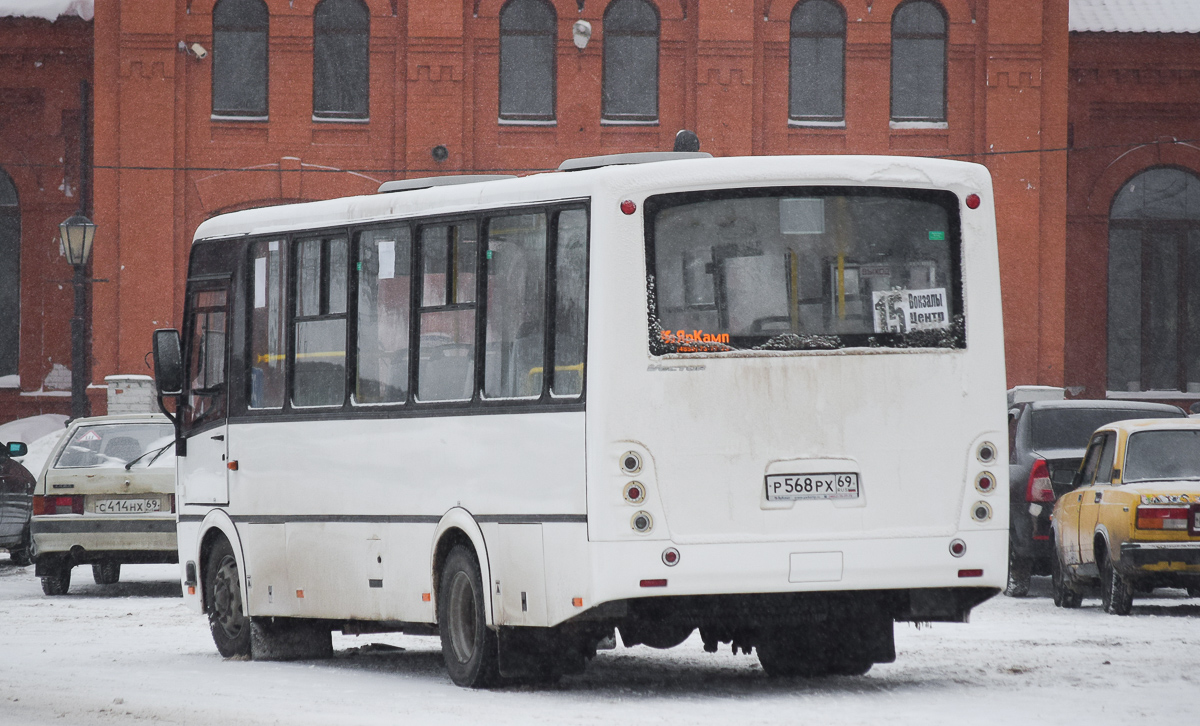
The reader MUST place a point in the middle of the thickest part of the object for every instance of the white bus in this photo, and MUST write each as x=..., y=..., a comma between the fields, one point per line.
x=652, y=393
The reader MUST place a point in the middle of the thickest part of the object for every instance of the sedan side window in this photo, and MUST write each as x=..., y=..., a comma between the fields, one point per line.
x=1091, y=461
x=1104, y=469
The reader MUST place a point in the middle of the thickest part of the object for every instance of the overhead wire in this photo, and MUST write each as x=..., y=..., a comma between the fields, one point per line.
x=271, y=167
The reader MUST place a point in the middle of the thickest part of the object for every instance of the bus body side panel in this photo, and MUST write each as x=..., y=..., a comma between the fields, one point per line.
x=711, y=427
x=359, y=501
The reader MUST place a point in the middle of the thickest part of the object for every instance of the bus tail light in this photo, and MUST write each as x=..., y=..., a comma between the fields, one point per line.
x=1039, y=489
x=1162, y=517
x=970, y=573
x=72, y=504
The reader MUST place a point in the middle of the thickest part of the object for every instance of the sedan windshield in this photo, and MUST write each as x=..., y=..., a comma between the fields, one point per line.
x=113, y=445
x=1070, y=428
x=1159, y=455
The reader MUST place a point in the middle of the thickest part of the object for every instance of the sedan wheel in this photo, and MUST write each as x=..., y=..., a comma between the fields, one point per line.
x=1116, y=592
x=106, y=573
x=1065, y=594
x=57, y=583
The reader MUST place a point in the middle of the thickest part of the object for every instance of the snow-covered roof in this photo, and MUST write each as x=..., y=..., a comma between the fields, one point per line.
x=47, y=9
x=1135, y=16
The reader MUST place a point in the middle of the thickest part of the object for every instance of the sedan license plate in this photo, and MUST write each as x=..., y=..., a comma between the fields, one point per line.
x=837, y=485
x=128, y=506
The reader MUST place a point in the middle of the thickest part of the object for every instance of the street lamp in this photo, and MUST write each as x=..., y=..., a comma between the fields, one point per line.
x=76, y=234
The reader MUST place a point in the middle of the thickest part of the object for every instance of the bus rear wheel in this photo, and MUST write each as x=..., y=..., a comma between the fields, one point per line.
x=469, y=647
x=802, y=651
x=229, y=625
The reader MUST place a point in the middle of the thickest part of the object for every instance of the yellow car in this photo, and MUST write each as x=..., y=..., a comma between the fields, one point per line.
x=1132, y=518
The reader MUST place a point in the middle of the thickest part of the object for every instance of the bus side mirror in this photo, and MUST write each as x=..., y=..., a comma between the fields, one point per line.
x=15, y=448
x=168, y=362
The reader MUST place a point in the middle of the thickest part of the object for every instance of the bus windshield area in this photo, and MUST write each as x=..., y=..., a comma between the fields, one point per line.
x=807, y=268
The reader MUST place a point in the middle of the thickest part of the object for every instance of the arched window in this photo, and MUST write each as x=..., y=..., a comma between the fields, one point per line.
x=817, y=62
x=10, y=276
x=239, y=58
x=340, y=60
x=527, y=61
x=630, y=61
x=1154, y=283
x=919, y=62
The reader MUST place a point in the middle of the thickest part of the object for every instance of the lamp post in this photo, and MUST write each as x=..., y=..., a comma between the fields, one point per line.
x=76, y=234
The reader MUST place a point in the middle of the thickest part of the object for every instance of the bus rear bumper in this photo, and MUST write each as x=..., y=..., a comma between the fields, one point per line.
x=627, y=570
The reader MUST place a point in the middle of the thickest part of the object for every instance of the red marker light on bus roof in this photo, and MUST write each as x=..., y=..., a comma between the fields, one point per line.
x=628, y=206
x=972, y=201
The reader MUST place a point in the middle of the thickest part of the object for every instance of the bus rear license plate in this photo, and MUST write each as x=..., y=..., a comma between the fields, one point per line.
x=128, y=506
x=838, y=485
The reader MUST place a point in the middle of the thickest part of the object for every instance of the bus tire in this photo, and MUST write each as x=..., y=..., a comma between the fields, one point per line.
x=58, y=582
x=106, y=573
x=469, y=647
x=786, y=653
x=289, y=639
x=222, y=587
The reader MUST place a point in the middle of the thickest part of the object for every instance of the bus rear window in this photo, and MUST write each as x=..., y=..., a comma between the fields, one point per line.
x=806, y=268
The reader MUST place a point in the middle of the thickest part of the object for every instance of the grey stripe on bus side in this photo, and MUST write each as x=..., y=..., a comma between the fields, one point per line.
x=75, y=526
x=393, y=519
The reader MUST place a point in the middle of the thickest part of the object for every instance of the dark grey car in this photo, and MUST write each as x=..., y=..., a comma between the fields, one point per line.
x=16, y=506
x=1046, y=443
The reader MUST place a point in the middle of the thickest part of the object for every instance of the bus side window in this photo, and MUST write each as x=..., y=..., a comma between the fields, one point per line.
x=321, y=277
x=513, y=361
x=570, y=303
x=268, y=324
x=206, y=367
x=447, y=316
x=384, y=284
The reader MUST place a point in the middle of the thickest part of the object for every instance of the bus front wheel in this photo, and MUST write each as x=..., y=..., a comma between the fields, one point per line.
x=229, y=625
x=469, y=647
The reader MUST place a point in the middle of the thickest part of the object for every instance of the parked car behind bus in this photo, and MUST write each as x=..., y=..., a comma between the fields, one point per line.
x=16, y=497
x=1131, y=519
x=106, y=497
x=1048, y=441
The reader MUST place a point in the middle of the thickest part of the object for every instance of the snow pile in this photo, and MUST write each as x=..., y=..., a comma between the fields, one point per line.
x=46, y=9
x=39, y=450
x=33, y=427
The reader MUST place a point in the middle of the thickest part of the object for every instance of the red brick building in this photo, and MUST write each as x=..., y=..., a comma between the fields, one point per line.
x=203, y=107
x=1133, y=246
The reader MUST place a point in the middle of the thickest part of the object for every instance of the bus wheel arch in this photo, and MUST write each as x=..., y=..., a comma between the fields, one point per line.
x=458, y=527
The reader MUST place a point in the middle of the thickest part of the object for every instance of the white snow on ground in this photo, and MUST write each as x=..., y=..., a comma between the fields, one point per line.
x=132, y=653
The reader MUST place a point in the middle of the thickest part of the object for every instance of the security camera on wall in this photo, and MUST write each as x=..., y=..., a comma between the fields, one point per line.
x=195, y=50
